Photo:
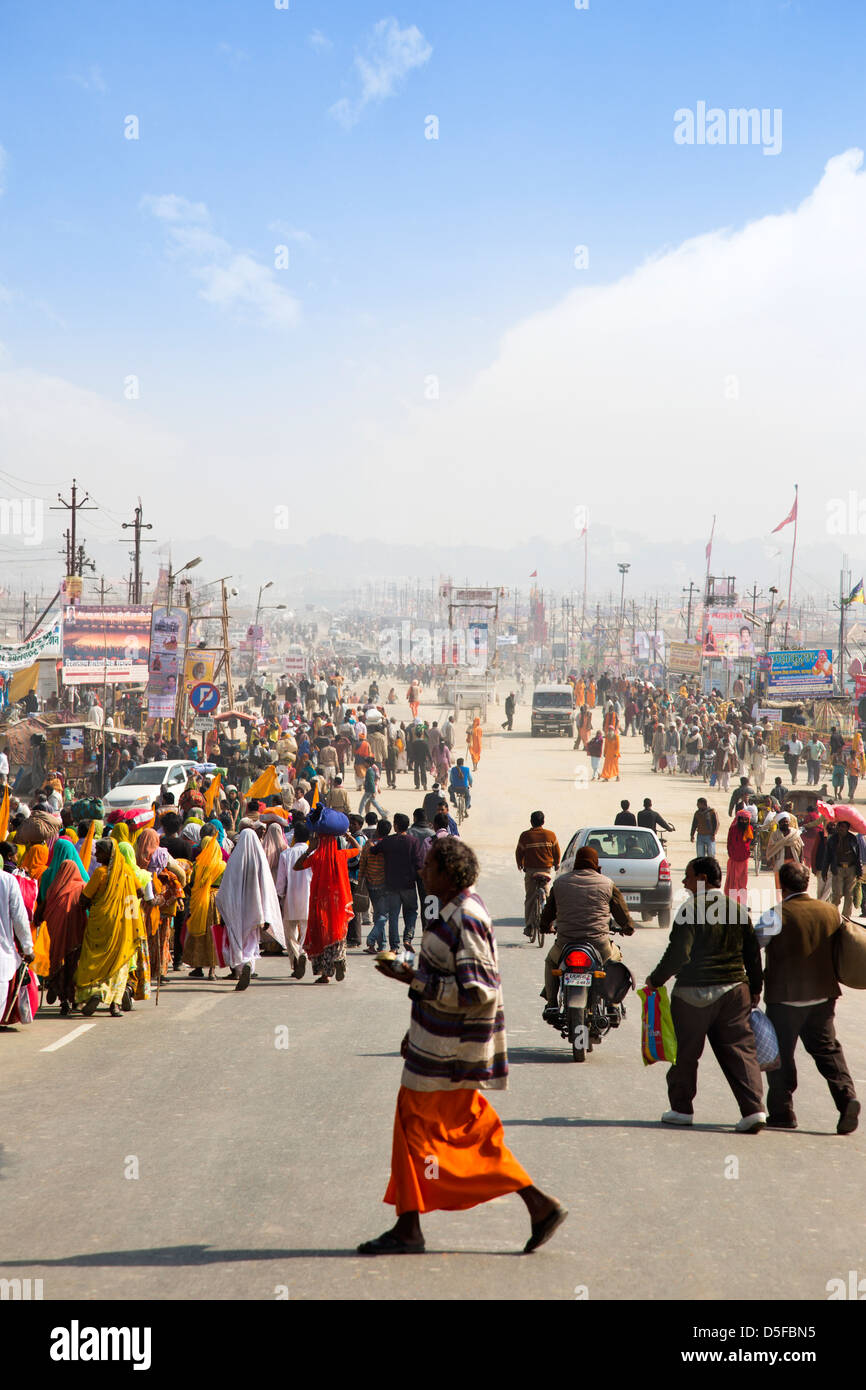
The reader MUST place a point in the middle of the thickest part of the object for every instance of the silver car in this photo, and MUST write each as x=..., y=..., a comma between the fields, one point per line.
x=634, y=858
x=143, y=785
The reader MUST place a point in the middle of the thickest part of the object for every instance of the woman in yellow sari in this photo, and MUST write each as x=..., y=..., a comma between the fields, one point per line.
x=611, y=756
x=138, y=984
x=199, y=947
x=110, y=937
x=474, y=738
x=858, y=753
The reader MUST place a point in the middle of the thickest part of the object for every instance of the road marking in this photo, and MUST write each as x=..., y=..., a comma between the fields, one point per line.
x=61, y=1042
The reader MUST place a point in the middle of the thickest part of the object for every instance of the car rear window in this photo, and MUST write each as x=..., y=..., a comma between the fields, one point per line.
x=622, y=844
x=556, y=699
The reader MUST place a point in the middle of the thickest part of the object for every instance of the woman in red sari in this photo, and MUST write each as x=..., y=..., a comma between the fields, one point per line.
x=62, y=912
x=740, y=837
x=330, y=904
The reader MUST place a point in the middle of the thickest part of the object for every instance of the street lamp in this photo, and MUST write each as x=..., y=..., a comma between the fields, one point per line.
x=262, y=588
x=623, y=567
x=172, y=576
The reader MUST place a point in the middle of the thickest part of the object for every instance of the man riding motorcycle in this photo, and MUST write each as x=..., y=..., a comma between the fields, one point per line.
x=581, y=904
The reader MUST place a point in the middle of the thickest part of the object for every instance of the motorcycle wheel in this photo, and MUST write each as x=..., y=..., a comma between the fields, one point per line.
x=577, y=1031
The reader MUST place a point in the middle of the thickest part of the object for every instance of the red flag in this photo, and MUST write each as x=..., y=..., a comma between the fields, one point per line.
x=709, y=546
x=792, y=516
x=534, y=574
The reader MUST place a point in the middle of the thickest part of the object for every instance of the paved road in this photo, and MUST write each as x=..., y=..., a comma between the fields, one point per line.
x=261, y=1166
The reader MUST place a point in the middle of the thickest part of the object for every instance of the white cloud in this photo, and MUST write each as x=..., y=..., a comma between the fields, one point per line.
x=319, y=41
x=91, y=81
x=290, y=233
x=390, y=56
x=3, y=162
x=234, y=55
x=229, y=278
x=710, y=379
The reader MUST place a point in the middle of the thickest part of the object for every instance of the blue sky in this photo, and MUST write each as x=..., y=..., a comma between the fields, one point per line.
x=408, y=257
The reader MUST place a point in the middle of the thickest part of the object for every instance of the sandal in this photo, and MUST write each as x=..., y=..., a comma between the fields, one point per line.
x=340, y=970
x=91, y=1005
x=544, y=1229
x=388, y=1244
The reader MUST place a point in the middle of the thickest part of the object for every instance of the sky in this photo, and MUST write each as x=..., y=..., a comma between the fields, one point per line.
x=238, y=279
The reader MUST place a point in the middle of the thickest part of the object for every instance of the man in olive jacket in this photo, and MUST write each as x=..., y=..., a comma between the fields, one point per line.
x=714, y=953
x=800, y=993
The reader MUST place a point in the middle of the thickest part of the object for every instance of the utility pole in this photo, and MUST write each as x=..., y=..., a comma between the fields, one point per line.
x=137, y=526
x=692, y=589
x=74, y=554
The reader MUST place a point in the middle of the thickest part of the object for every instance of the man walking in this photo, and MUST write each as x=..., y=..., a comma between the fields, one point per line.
x=402, y=854
x=510, y=705
x=844, y=862
x=815, y=751
x=714, y=954
x=801, y=990
x=705, y=823
x=792, y=757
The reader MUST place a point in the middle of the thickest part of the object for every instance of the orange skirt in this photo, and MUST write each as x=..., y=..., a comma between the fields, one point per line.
x=449, y=1153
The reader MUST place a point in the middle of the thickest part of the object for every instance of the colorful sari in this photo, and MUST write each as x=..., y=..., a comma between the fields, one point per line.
x=330, y=904
x=473, y=742
x=139, y=967
x=63, y=922
x=110, y=936
x=204, y=939
x=611, y=757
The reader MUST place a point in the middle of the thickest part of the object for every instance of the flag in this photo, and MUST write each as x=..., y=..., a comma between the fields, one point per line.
x=315, y=797
x=265, y=785
x=792, y=515
x=709, y=546
x=4, y=813
x=534, y=574
x=212, y=793
x=856, y=595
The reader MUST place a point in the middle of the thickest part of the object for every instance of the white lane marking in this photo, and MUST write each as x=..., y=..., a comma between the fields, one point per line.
x=61, y=1042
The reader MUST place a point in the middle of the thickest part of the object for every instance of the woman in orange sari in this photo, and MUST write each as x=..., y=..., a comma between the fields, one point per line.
x=584, y=728
x=590, y=694
x=580, y=692
x=474, y=737
x=611, y=756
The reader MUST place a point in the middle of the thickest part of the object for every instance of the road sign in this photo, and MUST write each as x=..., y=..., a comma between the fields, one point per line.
x=203, y=723
x=204, y=698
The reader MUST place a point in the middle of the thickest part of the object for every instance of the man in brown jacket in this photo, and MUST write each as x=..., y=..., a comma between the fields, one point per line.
x=537, y=852
x=800, y=993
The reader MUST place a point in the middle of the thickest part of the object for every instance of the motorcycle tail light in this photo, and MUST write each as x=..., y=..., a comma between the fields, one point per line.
x=664, y=872
x=578, y=960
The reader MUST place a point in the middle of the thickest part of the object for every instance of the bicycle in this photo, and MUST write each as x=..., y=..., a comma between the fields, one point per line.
x=460, y=802
x=537, y=904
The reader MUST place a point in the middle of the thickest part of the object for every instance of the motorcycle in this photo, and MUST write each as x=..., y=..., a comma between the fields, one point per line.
x=591, y=997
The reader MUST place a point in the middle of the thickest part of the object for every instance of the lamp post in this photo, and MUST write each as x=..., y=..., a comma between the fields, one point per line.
x=623, y=567
x=172, y=576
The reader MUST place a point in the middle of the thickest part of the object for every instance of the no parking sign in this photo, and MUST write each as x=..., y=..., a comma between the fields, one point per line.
x=204, y=698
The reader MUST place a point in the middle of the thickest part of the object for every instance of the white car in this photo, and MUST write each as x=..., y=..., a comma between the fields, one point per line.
x=634, y=858
x=143, y=785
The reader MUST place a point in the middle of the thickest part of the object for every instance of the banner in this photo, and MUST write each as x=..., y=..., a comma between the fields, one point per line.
x=106, y=646
x=728, y=633
x=684, y=657
x=647, y=649
x=198, y=666
x=474, y=595
x=17, y=655
x=800, y=673
x=167, y=644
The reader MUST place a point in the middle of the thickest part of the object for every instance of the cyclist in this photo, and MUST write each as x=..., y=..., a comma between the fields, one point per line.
x=460, y=780
x=650, y=818
x=537, y=852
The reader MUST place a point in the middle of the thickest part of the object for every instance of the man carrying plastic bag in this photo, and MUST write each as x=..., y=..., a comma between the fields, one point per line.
x=714, y=954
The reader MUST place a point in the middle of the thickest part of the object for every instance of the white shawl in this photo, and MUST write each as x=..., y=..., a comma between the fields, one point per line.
x=247, y=897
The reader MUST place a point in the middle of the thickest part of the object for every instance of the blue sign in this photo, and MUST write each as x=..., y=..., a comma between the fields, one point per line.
x=796, y=673
x=204, y=698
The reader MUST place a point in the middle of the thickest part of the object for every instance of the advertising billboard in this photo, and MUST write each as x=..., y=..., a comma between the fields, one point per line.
x=684, y=657
x=727, y=632
x=797, y=673
x=106, y=645
x=167, y=644
x=44, y=643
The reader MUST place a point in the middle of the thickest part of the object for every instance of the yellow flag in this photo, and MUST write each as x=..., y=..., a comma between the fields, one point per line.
x=211, y=794
x=4, y=813
x=315, y=797
x=265, y=785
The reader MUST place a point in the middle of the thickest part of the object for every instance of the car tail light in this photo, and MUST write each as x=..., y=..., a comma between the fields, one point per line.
x=577, y=960
x=664, y=872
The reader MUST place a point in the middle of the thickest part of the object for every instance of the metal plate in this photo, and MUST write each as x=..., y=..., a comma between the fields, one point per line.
x=577, y=979
x=633, y=898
